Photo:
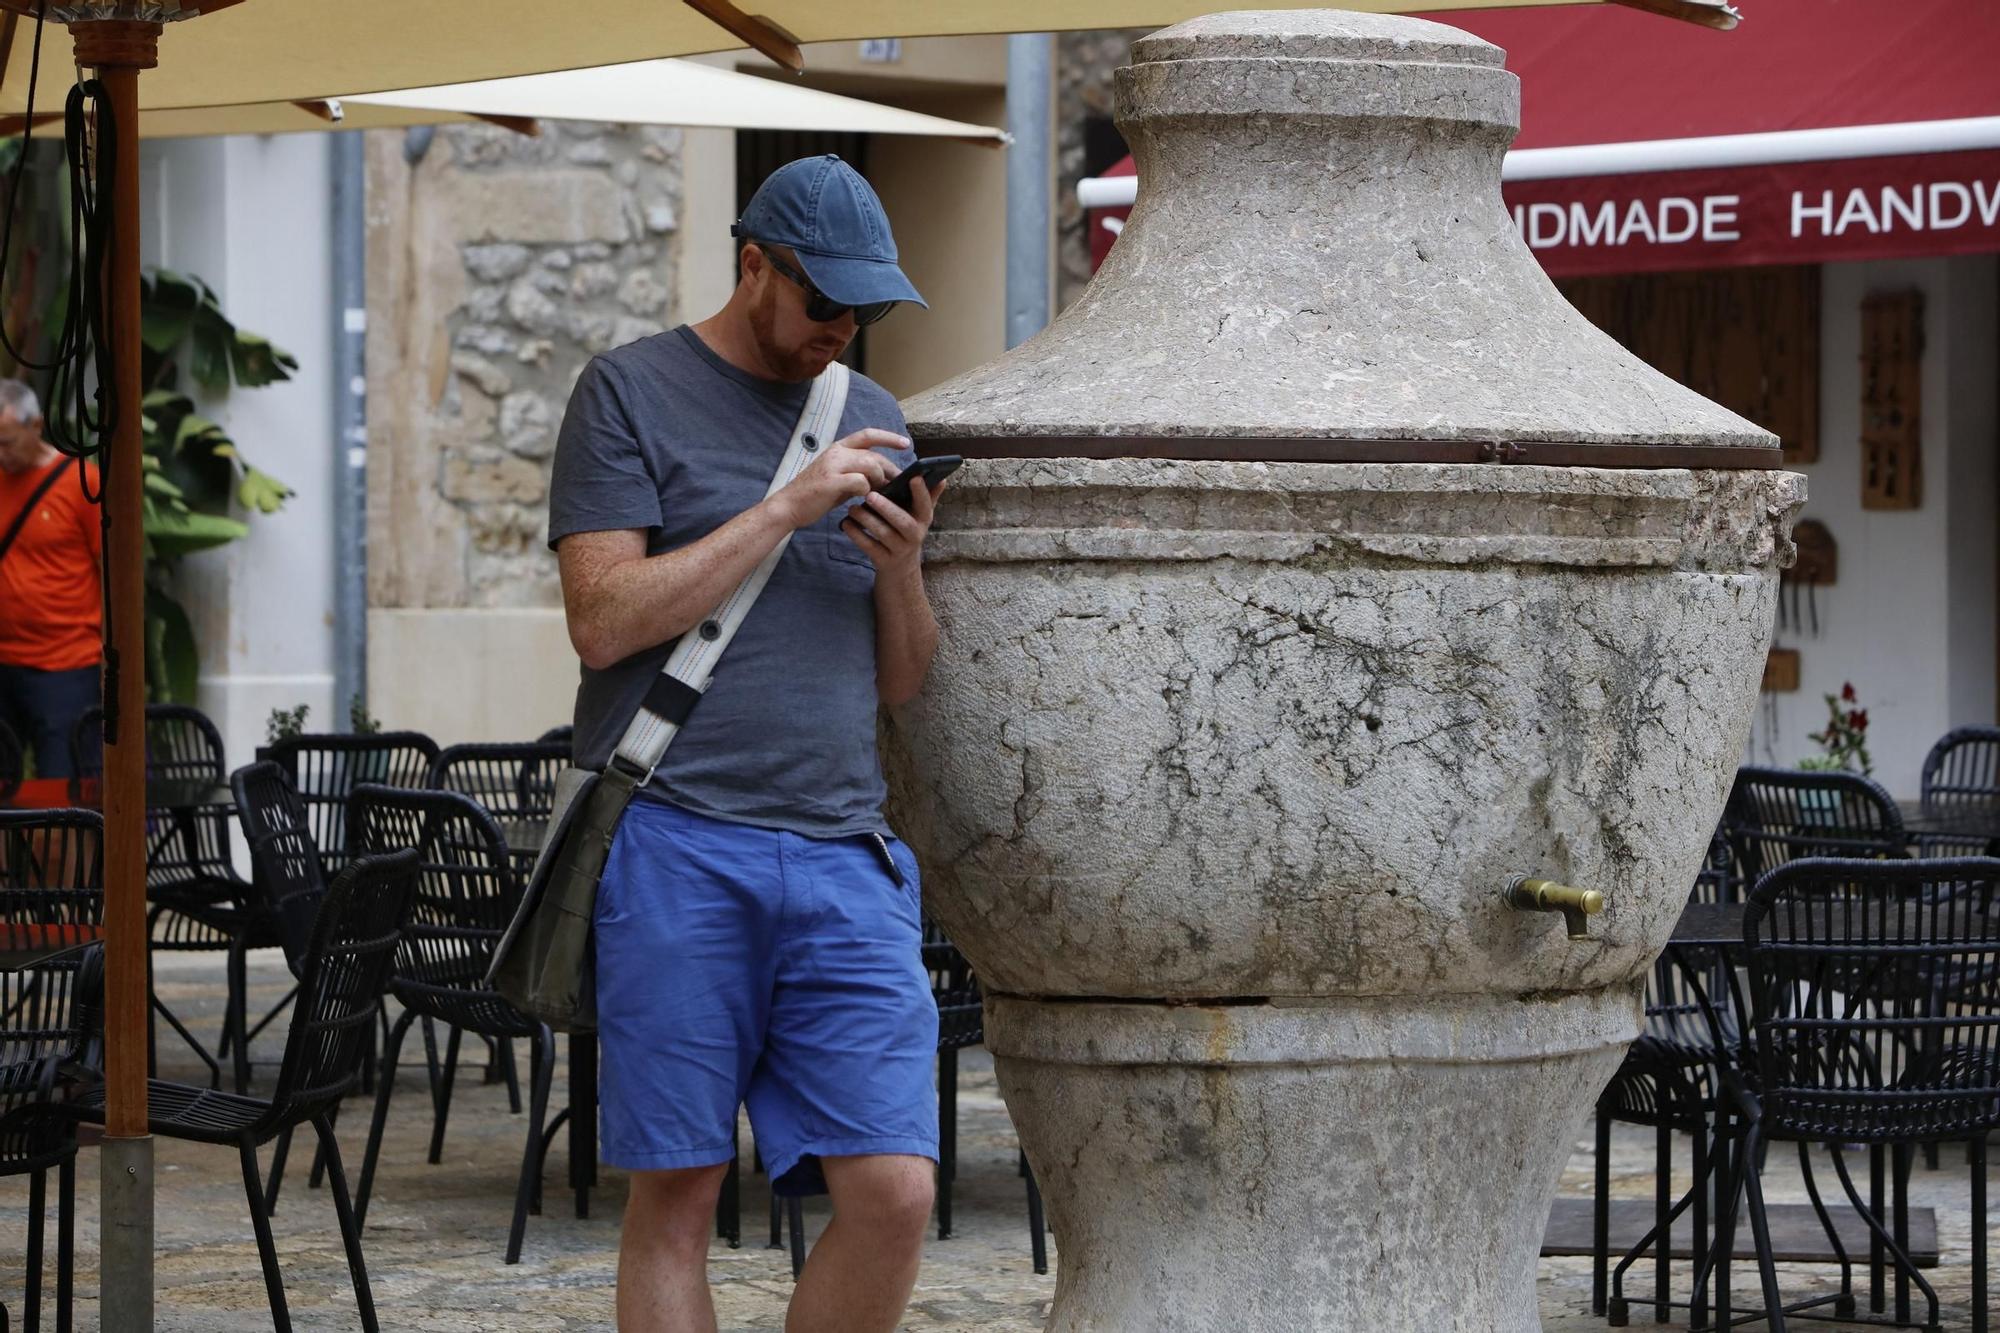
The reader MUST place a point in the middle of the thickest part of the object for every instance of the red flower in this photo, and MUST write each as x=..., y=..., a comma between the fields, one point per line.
x=1847, y=692
x=1858, y=719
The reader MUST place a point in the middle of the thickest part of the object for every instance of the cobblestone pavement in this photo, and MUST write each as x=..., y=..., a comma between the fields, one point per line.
x=436, y=1234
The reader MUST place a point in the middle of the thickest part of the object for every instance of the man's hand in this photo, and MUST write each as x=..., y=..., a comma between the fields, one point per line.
x=891, y=536
x=851, y=467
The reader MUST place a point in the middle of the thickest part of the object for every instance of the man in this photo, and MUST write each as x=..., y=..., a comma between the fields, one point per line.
x=51, y=605
x=757, y=928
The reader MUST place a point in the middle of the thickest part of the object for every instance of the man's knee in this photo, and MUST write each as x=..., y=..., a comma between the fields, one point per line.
x=891, y=1196
x=676, y=1205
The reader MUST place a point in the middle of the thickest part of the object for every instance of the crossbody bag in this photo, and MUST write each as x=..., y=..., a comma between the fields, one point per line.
x=544, y=964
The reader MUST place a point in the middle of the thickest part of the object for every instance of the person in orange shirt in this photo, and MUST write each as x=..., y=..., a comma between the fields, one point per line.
x=51, y=606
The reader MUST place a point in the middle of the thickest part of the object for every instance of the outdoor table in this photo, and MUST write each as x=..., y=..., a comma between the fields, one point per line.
x=524, y=837
x=1970, y=821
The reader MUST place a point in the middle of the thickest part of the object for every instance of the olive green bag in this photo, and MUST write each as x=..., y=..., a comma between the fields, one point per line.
x=544, y=964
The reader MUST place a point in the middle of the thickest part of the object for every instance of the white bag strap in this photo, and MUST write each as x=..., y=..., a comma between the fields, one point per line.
x=691, y=665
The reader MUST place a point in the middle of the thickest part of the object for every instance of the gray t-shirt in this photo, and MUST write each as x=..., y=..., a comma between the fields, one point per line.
x=663, y=434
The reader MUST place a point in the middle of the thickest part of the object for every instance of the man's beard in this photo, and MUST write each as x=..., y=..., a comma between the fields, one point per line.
x=790, y=363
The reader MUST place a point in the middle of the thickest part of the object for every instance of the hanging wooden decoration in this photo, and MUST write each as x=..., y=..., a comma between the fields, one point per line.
x=1892, y=350
x=1781, y=671
x=1818, y=564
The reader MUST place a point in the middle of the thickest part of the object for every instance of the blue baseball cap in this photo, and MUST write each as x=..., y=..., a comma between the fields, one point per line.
x=822, y=209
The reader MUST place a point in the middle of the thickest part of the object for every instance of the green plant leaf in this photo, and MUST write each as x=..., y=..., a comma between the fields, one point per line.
x=257, y=362
x=262, y=492
x=175, y=534
x=173, y=663
x=196, y=428
x=168, y=302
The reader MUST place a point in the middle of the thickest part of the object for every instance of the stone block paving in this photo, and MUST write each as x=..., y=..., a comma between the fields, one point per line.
x=436, y=1233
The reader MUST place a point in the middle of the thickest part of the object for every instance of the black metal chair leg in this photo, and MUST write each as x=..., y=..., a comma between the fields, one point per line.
x=1844, y=1304
x=350, y=1225
x=1697, y=1312
x=384, y=1086
x=1897, y=1255
x=1760, y=1231
x=65, y=1242
x=729, y=1207
x=1038, y=1237
x=1902, y=1158
x=278, y=1156
x=947, y=1170
x=236, y=1017
x=317, y=1176
x=267, y=1249
x=1600, y=1218
x=193, y=1043
x=1975, y=1156
x=541, y=1073
x=1878, y=1300
x=31, y=1299
x=795, y=1217
x=777, y=1223
x=446, y=1077
x=511, y=1075
x=1663, y=1188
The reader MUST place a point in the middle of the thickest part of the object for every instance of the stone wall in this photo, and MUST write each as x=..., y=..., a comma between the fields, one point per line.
x=498, y=264
x=1084, y=61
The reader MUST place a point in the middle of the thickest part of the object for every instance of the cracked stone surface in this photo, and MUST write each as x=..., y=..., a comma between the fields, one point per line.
x=1320, y=247
x=1223, y=767
x=1235, y=729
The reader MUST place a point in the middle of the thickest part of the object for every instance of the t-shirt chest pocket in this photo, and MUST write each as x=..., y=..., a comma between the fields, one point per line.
x=838, y=556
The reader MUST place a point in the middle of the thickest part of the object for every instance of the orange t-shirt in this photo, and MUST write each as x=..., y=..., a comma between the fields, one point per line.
x=50, y=604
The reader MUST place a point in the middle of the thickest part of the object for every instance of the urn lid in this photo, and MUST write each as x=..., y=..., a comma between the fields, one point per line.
x=1320, y=267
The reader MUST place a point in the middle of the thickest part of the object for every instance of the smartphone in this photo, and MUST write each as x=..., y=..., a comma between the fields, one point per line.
x=932, y=470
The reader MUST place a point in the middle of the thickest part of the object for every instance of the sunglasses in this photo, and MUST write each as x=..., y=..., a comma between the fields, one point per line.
x=819, y=307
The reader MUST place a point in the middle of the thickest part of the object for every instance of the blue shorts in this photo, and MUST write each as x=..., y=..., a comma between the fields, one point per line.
x=744, y=966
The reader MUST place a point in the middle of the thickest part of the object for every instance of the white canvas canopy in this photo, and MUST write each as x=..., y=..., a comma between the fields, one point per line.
x=645, y=92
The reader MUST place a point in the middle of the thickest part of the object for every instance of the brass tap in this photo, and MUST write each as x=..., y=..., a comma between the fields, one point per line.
x=1545, y=895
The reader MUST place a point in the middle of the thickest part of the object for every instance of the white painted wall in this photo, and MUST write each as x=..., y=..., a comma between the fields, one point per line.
x=252, y=217
x=1911, y=621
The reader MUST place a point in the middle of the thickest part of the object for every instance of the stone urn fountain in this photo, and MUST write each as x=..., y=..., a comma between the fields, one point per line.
x=1318, y=576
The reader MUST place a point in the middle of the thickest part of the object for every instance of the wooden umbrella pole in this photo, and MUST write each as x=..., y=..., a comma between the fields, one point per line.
x=118, y=50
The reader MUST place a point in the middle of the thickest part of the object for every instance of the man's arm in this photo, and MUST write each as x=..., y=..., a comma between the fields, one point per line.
x=619, y=601
x=906, y=632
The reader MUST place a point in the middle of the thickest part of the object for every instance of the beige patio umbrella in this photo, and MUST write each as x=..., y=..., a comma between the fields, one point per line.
x=208, y=52
x=645, y=92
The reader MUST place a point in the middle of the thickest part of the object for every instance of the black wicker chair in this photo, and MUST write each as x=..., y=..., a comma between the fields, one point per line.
x=562, y=736
x=1667, y=1082
x=1962, y=770
x=200, y=904
x=51, y=915
x=347, y=962
x=13, y=762
x=1777, y=815
x=466, y=895
x=516, y=784
x=1874, y=997
x=325, y=770
x=291, y=883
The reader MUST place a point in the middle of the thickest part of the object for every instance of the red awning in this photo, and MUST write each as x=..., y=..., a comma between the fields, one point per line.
x=1817, y=130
